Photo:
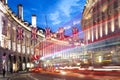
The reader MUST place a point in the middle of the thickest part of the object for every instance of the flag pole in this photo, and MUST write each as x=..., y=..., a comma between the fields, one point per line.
x=46, y=21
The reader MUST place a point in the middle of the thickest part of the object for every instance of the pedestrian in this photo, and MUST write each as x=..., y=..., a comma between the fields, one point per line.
x=4, y=64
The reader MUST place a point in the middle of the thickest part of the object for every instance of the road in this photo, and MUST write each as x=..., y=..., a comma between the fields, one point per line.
x=68, y=76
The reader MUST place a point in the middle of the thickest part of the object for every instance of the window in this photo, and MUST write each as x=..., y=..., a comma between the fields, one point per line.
x=103, y=16
x=109, y=27
x=116, y=24
x=109, y=11
x=4, y=26
x=103, y=29
x=115, y=4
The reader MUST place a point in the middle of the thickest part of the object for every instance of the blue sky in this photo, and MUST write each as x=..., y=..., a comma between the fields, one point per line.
x=60, y=13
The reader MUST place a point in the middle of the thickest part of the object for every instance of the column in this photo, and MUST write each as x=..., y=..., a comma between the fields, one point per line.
x=13, y=39
x=96, y=32
x=23, y=43
x=86, y=37
x=106, y=28
x=112, y=25
x=11, y=35
x=119, y=21
x=88, y=33
x=112, y=21
x=92, y=34
x=101, y=31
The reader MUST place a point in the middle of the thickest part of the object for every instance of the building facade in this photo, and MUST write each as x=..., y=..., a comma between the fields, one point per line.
x=101, y=27
x=101, y=46
x=19, y=48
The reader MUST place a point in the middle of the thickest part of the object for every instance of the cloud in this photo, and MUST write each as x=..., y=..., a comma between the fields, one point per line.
x=65, y=10
x=54, y=17
x=76, y=22
x=67, y=27
x=33, y=9
x=56, y=22
x=66, y=6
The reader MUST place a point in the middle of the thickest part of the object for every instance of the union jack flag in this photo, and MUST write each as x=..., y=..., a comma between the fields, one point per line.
x=33, y=33
x=75, y=33
x=61, y=33
x=20, y=35
x=74, y=30
x=47, y=33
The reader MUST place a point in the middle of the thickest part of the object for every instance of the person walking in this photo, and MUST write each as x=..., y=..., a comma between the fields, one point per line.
x=4, y=64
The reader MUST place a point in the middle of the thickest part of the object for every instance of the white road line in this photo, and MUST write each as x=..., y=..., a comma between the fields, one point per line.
x=33, y=77
x=58, y=79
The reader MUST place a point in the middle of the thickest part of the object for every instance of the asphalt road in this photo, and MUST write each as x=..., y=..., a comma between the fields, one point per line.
x=41, y=76
x=53, y=76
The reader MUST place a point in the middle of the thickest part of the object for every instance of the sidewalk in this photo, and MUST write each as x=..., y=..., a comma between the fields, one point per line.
x=10, y=75
x=6, y=77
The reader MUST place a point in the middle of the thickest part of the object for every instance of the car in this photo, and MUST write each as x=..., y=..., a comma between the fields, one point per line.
x=35, y=69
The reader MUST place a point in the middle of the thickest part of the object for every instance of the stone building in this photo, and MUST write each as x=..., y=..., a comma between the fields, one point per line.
x=101, y=27
x=19, y=51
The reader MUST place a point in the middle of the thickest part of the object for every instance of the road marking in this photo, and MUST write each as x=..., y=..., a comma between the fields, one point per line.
x=33, y=77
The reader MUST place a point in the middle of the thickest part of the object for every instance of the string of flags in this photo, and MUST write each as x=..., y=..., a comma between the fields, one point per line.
x=48, y=34
x=34, y=33
x=20, y=33
x=19, y=30
x=60, y=33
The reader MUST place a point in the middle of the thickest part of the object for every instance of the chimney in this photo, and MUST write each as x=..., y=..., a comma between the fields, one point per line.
x=4, y=1
x=20, y=11
x=34, y=20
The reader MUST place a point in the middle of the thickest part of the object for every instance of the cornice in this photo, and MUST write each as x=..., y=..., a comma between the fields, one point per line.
x=7, y=11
